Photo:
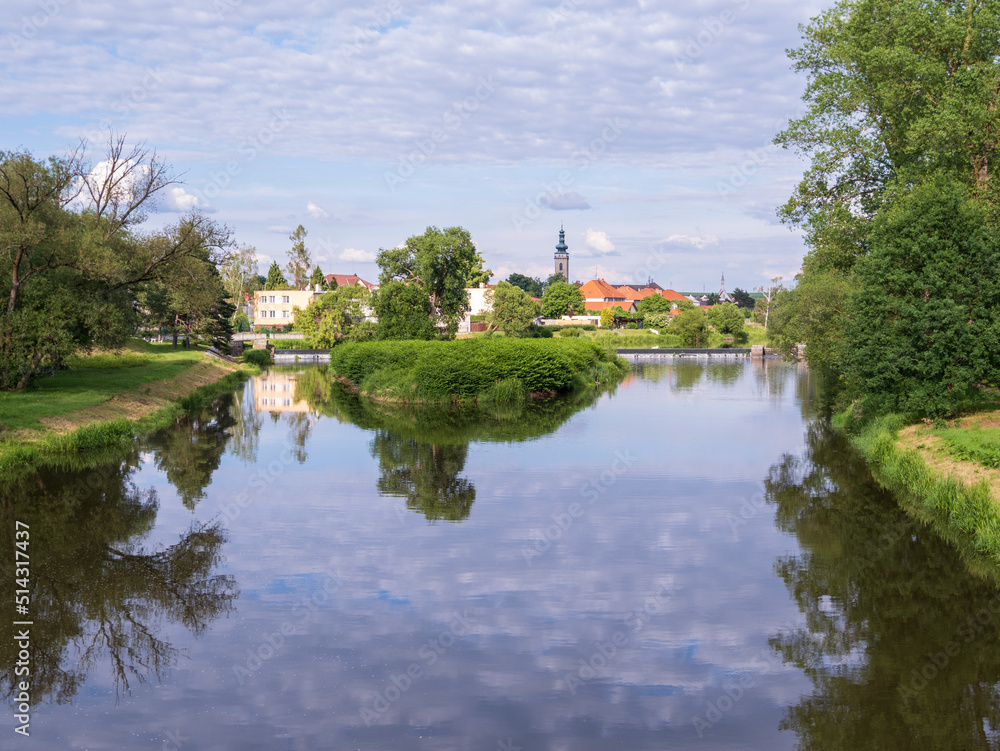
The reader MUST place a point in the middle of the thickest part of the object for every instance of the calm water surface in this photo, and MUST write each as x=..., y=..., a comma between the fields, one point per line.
x=690, y=562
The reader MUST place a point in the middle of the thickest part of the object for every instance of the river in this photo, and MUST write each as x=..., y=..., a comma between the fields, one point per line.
x=690, y=561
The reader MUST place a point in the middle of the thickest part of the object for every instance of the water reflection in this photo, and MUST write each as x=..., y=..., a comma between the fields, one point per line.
x=100, y=596
x=421, y=450
x=900, y=639
x=192, y=450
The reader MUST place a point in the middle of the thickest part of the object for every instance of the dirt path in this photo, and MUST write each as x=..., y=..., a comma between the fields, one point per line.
x=933, y=451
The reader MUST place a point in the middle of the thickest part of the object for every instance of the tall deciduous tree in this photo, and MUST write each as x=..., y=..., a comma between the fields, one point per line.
x=512, y=311
x=403, y=311
x=898, y=91
x=923, y=330
x=299, y=260
x=72, y=262
x=560, y=299
x=531, y=285
x=440, y=262
x=335, y=315
x=239, y=272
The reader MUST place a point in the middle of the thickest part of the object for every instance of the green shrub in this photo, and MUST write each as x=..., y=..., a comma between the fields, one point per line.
x=570, y=332
x=468, y=368
x=631, y=325
x=259, y=357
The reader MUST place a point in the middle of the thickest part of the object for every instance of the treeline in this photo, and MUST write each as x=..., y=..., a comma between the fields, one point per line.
x=76, y=270
x=898, y=300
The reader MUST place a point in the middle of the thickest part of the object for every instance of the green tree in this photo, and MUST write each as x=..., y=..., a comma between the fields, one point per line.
x=479, y=275
x=531, y=285
x=239, y=271
x=654, y=304
x=275, y=279
x=440, y=262
x=897, y=92
x=317, y=278
x=335, y=315
x=299, y=260
x=743, y=299
x=815, y=312
x=562, y=298
x=691, y=327
x=607, y=318
x=727, y=319
x=71, y=258
x=923, y=328
x=552, y=279
x=403, y=311
x=512, y=311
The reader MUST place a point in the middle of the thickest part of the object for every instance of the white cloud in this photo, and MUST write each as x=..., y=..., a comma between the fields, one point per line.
x=599, y=241
x=694, y=241
x=354, y=254
x=316, y=212
x=178, y=199
x=564, y=201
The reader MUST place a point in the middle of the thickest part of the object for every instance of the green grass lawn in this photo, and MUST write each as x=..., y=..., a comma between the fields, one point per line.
x=83, y=385
x=979, y=445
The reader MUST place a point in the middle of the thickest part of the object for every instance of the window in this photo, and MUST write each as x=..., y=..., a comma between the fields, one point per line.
x=286, y=299
x=271, y=299
x=272, y=314
x=285, y=314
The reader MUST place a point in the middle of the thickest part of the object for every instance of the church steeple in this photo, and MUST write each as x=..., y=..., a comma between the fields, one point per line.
x=562, y=255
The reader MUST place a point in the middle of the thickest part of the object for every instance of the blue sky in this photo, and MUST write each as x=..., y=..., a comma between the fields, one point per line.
x=643, y=127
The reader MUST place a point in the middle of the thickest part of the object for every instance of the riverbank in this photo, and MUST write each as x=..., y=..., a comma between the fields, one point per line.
x=924, y=466
x=106, y=399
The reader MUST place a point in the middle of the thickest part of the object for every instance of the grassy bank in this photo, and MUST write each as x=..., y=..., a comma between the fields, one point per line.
x=480, y=370
x=104, y=400
x=927, y=466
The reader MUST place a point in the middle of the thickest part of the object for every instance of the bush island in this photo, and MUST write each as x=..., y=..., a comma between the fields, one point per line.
x=496, y=369
x=259, y=357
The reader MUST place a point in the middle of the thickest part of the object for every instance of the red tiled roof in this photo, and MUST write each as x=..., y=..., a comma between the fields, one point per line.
x=346, y=280
x=599, y=288
x=669, y=294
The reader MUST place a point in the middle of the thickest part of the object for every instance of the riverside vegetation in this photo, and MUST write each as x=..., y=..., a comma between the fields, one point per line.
x=898, y=300
x=104, y=400
x=480, y=370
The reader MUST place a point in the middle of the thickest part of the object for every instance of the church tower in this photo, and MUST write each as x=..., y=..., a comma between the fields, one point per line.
x=562, y=255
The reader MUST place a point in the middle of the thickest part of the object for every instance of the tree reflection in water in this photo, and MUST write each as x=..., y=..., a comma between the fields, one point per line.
x=422, y=450
x=901, y=633
x=99, y=595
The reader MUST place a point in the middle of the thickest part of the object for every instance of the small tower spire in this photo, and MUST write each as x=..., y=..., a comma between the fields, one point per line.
x=562, y=255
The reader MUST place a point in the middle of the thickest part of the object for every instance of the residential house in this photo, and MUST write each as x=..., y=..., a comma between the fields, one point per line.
x=275, y=307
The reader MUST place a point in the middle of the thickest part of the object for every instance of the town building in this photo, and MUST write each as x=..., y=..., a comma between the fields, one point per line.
x=562, y=256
